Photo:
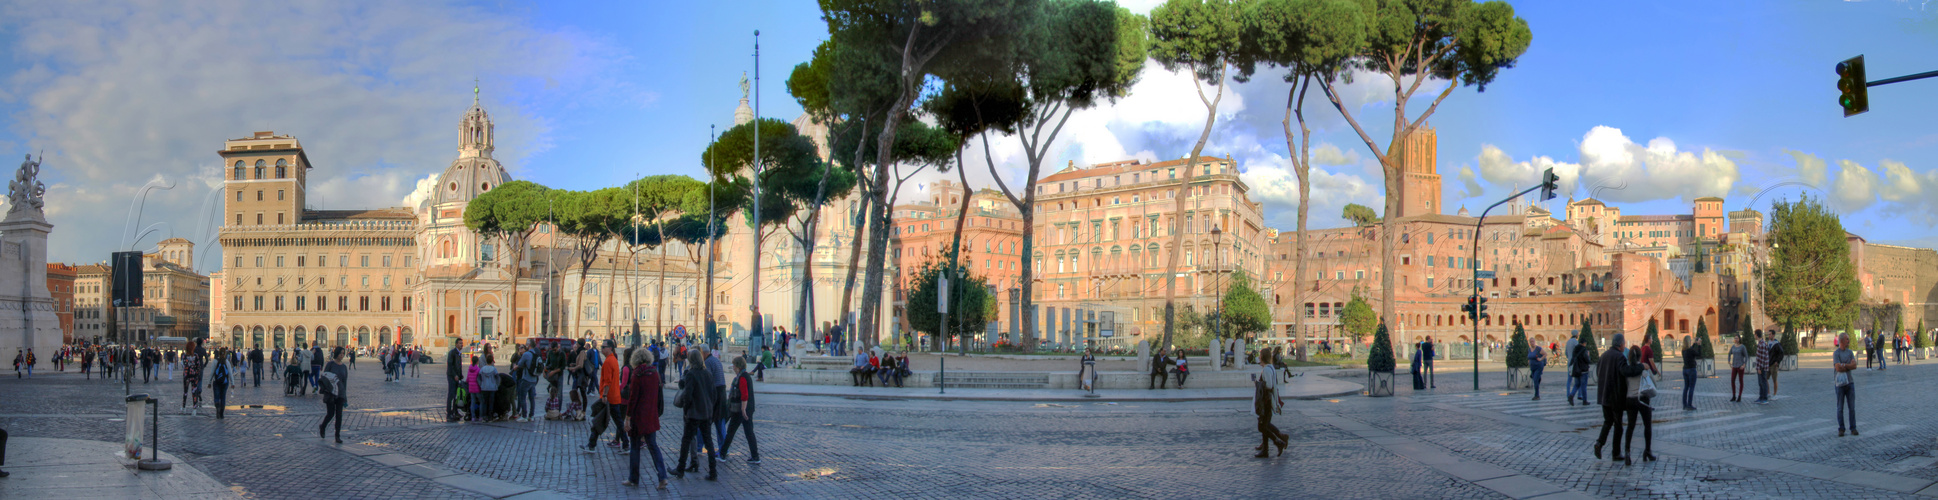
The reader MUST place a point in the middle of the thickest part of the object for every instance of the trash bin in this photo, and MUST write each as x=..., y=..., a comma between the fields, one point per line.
x=137, y=424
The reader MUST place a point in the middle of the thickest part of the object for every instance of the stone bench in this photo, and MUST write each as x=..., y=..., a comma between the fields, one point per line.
x=992, y=380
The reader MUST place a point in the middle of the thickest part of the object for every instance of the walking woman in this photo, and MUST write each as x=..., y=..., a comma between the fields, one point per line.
x=334, y=384
x=698, y=398
x=191, y=375
x=1640, y=366
x=645, y=405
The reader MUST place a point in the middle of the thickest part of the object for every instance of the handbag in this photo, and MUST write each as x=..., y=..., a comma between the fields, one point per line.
x=1648, y=387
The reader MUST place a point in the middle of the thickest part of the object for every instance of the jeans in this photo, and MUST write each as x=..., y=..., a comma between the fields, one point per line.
x=736, y=422
x=1535, y=375
x=659, y=460
x=332, y=411
x=478, y=405
x=1736, y=383
x=524, y=397
x=702, y=431
x=1846, y=398
x=253, y=367
x=1762, y=386
x=1689, y=387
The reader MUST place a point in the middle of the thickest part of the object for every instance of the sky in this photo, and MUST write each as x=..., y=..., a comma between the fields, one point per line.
x=1645, y=105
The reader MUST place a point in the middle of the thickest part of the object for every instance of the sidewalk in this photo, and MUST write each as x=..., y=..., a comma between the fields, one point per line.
x=1303, y=387
x=74, y=469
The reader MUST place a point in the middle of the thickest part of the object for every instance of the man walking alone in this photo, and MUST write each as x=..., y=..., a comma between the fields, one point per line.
x=1612, y=393
x=1762, y=366
x=1841, y=363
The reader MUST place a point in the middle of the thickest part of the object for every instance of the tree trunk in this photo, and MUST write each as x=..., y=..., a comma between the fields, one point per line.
x=1177, y=216
x=854, y=263
x=1301, y=165
x=955, y=252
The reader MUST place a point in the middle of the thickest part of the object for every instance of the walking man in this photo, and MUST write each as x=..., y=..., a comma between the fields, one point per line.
x=1841, y=363
x=611, y=405
x=1537, y=361
x=740, y=408
x=255, y=364
x=1580, y=360
x=1612, y=393
x=1689, y=355
x=1426, y=349
x=1739, y=355
x=1567, y=355
x=453, y=379
x=1762, y=366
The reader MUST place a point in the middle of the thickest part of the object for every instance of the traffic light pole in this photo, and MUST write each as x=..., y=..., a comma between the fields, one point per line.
x=1476, y=314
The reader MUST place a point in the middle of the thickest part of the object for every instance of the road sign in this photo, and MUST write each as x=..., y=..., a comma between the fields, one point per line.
x=1486, y=275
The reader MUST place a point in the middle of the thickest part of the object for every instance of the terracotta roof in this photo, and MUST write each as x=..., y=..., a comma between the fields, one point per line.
x=1590, y=201
x=174, y=240
x=1073, y=172
x=1709, y=198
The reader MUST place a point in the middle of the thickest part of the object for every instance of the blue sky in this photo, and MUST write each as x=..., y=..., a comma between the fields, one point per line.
x=1654, y=103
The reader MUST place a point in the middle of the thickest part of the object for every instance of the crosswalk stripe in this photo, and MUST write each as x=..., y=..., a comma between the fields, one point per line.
x=1664, y=415
x=1731, y=426
x=1552, y=412
x=1688, y=423
x=1784, y=427
x=1888, y=429
x=1490, y=404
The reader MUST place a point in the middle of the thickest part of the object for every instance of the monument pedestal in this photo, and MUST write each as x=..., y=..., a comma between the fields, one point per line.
x=27, y=318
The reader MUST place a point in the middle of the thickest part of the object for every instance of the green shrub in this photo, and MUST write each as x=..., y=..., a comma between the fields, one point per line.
x=1707, y=351
x=1789, y=340
x=1517, y=348
x=1380, y=357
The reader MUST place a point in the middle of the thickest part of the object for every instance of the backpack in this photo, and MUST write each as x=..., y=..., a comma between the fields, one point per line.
x=488, y=378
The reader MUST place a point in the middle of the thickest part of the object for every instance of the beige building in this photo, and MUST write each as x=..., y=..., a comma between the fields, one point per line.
x=296, y=275
x=1104, y=234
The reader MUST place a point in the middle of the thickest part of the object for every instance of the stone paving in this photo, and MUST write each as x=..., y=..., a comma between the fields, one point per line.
x=1442, y=443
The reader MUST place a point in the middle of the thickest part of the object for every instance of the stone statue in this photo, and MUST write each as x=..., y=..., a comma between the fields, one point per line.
x=743, y=85
x=26, y=190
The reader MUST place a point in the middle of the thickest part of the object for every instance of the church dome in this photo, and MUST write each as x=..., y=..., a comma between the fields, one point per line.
x=474, y=171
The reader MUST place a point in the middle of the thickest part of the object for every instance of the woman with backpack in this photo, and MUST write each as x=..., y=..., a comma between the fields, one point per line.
x=219, y=381
x=333, y=384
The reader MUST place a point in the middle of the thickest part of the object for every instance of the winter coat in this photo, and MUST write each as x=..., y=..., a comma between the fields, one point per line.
x=645, y=392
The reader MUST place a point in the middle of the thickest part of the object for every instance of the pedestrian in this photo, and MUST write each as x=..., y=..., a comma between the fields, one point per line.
x=219, y=382
x=1882, y=360
x=1537, y=362
x=3, y=452
x=1184, y=369
x=453, y=379
x=471, y=383
x=766, y=358
x=1762, y=367
x=316, y=362
x=1427, y=345
x=276, y=363
x=1269, y=374
x=1160, y=369
x=1842, y=362
x=1639, y=370
x=643, y=390
x=19, y=357
x=1419, y=376
x=1612, y=393
x=1776, y=360
x=1739, y=355
x=1568, y=356
x=1264, y=404
x=334, y=384
x=740, y=412
x=487, y=388
x=1870, y=354
x=611, y=405
x=696, y=399
x=524, y=367
x=1689, y=354
x=716, y=369
x=255, y=364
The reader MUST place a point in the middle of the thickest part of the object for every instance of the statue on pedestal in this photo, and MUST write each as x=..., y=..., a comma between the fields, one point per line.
x=25, y=190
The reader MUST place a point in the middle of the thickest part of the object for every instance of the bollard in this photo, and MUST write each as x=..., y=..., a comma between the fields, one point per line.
x=942, y=376
x=154, y=461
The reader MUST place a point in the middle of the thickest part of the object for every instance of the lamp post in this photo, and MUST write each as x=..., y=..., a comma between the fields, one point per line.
x=1218, y=312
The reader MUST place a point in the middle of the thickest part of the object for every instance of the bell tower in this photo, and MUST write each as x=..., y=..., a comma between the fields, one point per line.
x=1419, y=173
x=475, y=131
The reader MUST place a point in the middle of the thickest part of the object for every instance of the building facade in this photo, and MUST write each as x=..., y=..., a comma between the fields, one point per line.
x=992, y=239
x=60, y=284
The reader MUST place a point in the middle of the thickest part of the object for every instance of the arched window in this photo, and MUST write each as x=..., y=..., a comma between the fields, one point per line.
x=259, y=170
x=240, y=172
x=282, y=169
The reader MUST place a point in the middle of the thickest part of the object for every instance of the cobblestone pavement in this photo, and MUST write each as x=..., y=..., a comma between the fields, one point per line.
x=1426, y=445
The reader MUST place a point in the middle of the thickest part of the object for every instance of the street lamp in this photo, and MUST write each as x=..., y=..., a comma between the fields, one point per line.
x=1218, y=313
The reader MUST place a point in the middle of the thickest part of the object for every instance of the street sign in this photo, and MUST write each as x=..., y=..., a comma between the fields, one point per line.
x=1486, y=275
x=1107, y=324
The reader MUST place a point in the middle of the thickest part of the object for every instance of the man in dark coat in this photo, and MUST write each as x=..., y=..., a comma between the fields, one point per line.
x=453, y=378
x=1159, y=365
x=698, y=397
x=1612, y=393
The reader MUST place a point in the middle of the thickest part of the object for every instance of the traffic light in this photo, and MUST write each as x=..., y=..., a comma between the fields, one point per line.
x=1480, y=309
x=1851, y=84
x=1549, y=183
x=125, y=271
x=1469, y=308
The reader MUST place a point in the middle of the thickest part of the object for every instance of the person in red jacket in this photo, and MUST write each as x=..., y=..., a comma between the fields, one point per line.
x=643, y=393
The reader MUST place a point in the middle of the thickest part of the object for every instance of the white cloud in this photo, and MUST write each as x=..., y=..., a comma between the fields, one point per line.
x=1809, y=166
x=1855, y=187
x=1274, y=184
x=1328, y=154
x=1615, y=168
x=117, y=94
x=1901, y=184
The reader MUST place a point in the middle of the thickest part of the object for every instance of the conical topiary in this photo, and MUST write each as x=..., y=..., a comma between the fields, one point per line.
x=1380, y=357
x=1706, y=351
x=1789, y=340
x=1588, y=339
x=1654, y=340
x=1918, y=338
x=1517, y=348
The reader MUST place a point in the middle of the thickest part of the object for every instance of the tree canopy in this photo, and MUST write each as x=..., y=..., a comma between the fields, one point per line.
x=1809, y=280
x=967, y=298
x=1358, y=319
x=1360, y=215
x=1245, y=310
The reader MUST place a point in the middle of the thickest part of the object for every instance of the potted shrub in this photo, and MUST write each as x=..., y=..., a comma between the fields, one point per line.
x=1517, y=360
x=1379, y=365
x=1919, y=341
x=1706, y=353
x=1789, y=341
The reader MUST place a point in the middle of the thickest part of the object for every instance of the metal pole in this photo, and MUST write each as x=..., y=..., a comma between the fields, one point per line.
x=1473, y=263
x=942, y=375
x=1905, y=78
